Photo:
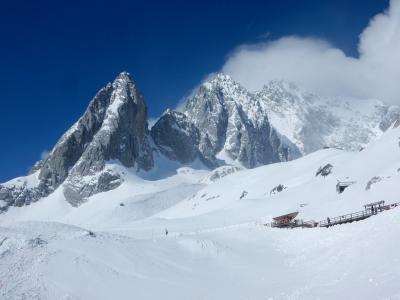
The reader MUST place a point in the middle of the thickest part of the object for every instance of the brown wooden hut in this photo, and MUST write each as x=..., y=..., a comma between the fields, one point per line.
x=285, y=220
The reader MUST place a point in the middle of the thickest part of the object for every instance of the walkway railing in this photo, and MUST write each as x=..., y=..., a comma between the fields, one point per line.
x=348, y=218
x=356, y=216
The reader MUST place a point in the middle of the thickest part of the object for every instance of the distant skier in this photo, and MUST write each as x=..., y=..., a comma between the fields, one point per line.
x=166, y=232
x=329, y=220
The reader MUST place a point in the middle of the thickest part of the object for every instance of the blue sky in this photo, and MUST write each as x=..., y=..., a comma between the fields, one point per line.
x=55, y=55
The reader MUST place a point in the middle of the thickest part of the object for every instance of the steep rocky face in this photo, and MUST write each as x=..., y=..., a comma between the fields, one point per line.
x=122, y=136
x=114, y=127
x=231, y=121
x=206, y=110
x=176, y=137
x=391, y=116
x=280, y=122
x=74, y=142
x=313, y=122
x=222, y=123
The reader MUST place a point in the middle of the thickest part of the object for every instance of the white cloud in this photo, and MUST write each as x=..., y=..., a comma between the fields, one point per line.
x=317, y=65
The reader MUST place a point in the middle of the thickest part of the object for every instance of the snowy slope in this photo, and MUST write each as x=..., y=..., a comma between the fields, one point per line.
x=113, y=127
x=229, y=124
x=233, y=127
x=56, y=261
x=222, y=107
x=312, y=122
x=221, y=124
x=217, y=247
x=380, y=159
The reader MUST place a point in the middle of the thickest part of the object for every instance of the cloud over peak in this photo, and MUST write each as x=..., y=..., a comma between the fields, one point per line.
x=318, y=66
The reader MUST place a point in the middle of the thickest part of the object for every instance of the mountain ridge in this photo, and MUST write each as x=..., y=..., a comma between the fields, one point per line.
x=221, y=123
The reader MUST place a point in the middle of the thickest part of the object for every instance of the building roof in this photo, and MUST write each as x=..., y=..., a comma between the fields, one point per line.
x=290, y=216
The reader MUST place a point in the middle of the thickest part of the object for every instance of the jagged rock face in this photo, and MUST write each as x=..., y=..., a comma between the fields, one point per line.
x=36, y=167
x=114, y=127
x=313, y=122
x=230, y=119
x=123, y=136
x=207, y=112
x=391, y=117
x=74, y=142
x=220, y=172
x=19, y=193
x=221, y=123
x=176, y=137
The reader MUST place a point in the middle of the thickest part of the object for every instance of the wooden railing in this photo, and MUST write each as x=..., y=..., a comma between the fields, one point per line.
x=360, y=215
x=356, y=216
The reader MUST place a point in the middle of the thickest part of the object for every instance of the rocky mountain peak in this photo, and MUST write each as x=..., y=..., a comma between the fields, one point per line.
x=233, y=124
x=176, y=137
x=113, y=128
x=222, y=123
x=283, y=92
x=124, y=82
x=223, y=86
x=220, y=79
x=124, y=76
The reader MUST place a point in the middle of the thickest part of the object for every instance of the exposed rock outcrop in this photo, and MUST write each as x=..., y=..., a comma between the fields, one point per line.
x=221, y=124
x=231, y=121
x=176, y=137
x=113, y=127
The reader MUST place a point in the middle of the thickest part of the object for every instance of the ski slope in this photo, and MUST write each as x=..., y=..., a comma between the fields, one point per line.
x=217, y=246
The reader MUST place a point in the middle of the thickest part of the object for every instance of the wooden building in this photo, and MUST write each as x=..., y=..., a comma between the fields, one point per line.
x=285, y=220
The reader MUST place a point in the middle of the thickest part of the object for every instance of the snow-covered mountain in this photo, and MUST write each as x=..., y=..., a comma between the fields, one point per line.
x=313, y=122
x=217, y=247
x=114, y=127
x=178, y=211
x=222, y=123
x=278, y=123
x=230, y=126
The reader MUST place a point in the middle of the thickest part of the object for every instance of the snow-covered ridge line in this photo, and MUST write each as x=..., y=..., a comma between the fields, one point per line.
x=114, y=126
x=222, y=123
x=155, y=231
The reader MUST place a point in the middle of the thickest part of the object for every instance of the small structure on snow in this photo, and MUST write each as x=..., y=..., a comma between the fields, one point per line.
x=289, y=221
x=325, y=170
x=279, y=188
x=342, y=185
x=284, y=220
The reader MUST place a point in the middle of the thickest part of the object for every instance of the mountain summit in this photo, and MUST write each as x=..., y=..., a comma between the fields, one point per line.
x=233, y=125
x=313, y=121
x=113, y=127
x=222, y=123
